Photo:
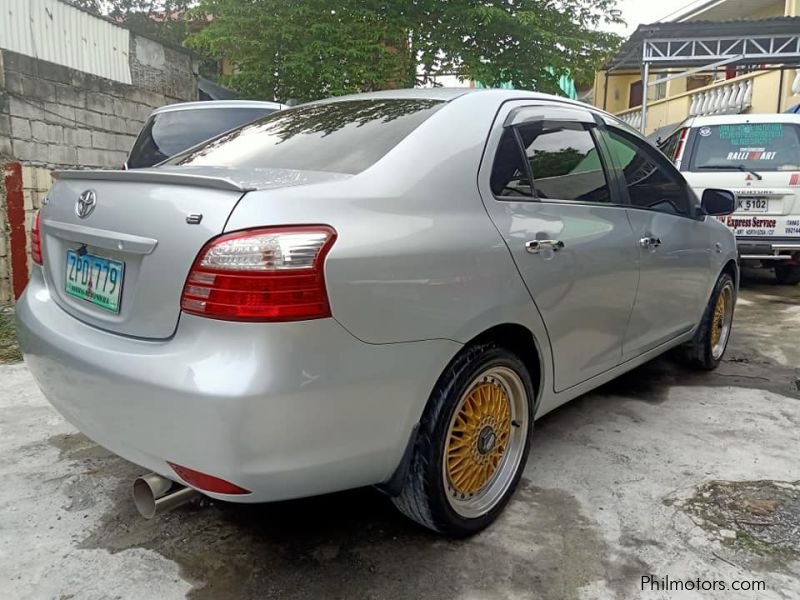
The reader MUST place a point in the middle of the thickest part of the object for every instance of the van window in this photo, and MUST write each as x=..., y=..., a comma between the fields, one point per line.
x=670, y=146
x=167, y=133
x=342, y=137
x=755, y=146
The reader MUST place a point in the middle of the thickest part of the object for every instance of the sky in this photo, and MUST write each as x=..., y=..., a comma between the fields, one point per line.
x=637, y=12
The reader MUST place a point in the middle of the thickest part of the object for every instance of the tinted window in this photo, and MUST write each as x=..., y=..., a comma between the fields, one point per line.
x=565, y=162
x=670, y=146
x=165, y=134
x=343, y=137
x=757, y=146
x=652, y=182
x=509, y=175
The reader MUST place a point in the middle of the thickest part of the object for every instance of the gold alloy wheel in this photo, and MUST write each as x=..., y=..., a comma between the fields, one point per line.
x=478, y=437
x=485, y=441
x=721, y=321
x=718, y=320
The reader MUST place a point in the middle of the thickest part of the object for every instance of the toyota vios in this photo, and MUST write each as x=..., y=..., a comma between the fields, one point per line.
x=382, y=289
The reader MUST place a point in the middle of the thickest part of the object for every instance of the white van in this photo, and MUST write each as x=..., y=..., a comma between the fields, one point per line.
x=758, y=158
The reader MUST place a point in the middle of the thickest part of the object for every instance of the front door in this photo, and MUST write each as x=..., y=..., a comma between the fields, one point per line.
x=548, y=191
x=673, y=245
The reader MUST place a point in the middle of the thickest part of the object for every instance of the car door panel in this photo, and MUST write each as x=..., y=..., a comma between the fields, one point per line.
x=577, y=259
x=673, y=276
x=673, y=244
x=585, y=290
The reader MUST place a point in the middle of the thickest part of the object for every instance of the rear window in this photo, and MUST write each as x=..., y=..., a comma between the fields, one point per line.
x=755, y=146
x=342, y=137
x=168, y=133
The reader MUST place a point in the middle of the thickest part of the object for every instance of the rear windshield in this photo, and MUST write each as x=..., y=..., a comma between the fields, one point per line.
x=342, y=137
x=756, y=146
x=165, y=134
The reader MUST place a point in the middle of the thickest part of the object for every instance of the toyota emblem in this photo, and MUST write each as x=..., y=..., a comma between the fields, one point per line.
x=85, y=204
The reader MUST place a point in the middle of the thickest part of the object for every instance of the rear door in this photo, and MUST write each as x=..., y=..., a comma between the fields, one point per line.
x=760, y=163
x=672, y=243
x=548, y=191
x=149, y=232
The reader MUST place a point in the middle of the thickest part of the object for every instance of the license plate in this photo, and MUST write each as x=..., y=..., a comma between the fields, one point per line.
x=753, y=205
x=95, y=279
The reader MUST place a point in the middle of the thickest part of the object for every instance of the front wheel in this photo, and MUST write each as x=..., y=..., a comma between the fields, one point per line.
x=472, y=443
x=706, y=349
x=787, y=274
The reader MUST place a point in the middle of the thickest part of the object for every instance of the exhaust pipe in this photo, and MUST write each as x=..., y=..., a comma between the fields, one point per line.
x=153, y=495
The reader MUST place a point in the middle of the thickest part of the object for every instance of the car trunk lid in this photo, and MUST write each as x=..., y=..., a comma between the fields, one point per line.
x=152, y=221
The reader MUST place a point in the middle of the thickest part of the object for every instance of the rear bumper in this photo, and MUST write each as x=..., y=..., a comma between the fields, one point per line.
x=778, y=249
x=281, y=409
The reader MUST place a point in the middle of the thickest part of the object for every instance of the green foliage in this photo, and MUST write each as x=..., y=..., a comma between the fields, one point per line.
x=308, y=49
x=163, y=19
x=556, y=163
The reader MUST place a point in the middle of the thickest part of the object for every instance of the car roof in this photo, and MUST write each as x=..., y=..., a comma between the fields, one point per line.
x=449, y=94
x=205, y=104
x=736, y=119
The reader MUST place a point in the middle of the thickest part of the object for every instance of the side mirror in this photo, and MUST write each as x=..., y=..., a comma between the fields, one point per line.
x=718, y=202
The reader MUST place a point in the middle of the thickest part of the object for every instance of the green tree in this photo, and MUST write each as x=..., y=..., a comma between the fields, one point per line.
x=166, y=20
x=308, y=49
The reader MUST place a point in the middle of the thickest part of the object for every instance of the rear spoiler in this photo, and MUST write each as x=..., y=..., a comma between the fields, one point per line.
x=154, y=176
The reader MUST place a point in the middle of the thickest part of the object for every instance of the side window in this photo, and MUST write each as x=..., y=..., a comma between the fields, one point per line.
x=670, y=146
x=509, y=175
x=564, y=161
x=652, y=182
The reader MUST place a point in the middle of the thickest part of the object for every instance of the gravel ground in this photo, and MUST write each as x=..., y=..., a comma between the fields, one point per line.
x=662, y=473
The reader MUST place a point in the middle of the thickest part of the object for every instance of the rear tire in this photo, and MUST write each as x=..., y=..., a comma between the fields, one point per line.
x=787, y=274
x=472, y=444
x=706, y=349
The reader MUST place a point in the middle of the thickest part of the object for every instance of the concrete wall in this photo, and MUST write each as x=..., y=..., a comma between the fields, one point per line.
x=56, y=116
x=52, y=116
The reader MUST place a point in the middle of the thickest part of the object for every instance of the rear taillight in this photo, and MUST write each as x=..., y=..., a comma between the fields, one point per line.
x=267, y=274
x=36, y=241
x=681, y=144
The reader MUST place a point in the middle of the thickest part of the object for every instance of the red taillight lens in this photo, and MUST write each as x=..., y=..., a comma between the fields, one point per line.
x=36, y=241
x=268, y=274
x=207, y=483
x=681, y=144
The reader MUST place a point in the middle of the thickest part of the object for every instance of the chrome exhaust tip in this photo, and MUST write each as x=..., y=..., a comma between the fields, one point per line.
x=153, y=495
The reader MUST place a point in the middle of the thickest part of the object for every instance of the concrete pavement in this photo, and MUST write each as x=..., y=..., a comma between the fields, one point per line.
x=609, y=496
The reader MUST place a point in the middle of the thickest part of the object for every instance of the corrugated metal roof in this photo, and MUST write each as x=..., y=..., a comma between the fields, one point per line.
x=56, y=32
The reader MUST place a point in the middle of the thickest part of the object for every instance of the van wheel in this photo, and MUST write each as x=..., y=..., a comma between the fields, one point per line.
x=706, y=349
x=787, y=274
x=472, y=443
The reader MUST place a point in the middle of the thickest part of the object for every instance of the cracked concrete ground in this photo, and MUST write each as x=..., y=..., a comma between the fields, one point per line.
x=602, y=503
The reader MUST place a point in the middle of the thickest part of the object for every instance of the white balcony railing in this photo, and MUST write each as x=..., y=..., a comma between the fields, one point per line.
x=634, y=119
x=729, y=98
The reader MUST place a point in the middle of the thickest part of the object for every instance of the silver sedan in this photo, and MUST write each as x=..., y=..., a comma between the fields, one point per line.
x=382, y=289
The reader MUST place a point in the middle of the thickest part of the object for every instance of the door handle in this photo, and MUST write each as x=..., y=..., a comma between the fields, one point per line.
x=536, y=246
x=650, y=242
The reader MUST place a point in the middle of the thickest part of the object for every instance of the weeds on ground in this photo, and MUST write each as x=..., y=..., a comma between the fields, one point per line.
x=9, y=349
